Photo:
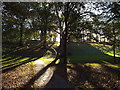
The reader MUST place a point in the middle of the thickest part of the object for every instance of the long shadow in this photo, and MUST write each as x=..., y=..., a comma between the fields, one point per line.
x=85, y=53
x=17, y=56
x=11, y=60
x=61, y=69
x=58, y=82
x=55, y=81
x=85, y=74
x=60, y=78
x=33, y=79
x=12, y=66
x=115, y=71
x=8, y=58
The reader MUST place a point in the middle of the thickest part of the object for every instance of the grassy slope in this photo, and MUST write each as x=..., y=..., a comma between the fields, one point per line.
x=79, y=53
x=91, y=74
x=86, y=53
x=76, y=53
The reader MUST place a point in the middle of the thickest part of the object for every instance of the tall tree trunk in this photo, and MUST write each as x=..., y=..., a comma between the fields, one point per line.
x=65, y=40
x=63, y=49
x=63, y=36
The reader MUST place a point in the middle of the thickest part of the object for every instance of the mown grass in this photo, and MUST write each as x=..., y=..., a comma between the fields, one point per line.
x=14, y=55
x=91, y=55
x=77, y=52
x=107, y=49
x=88, y=57
x=86, y=53
x=90, y=66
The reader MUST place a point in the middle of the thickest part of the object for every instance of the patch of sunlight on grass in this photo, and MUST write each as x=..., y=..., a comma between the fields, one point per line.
x=92, y=43
x=117, y=66
x=5, y=58
x=18, y=61
x=71, y=65
x=11, y=59
x=93, y=65
x=105, y=47
x=111, y=54
x=47, y=61
x=57, y=61
x=33, y=59
x=21, y=60
x=113, y=66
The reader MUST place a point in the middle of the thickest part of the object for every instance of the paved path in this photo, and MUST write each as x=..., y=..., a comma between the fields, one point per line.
x=49, y=79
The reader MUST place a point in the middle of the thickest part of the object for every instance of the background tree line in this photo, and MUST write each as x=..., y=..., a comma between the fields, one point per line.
x=72, y=21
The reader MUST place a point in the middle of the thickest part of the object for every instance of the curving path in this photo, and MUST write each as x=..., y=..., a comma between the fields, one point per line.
x=49, y=79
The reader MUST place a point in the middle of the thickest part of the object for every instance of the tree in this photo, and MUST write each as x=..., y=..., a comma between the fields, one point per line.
x=65, y=12
x=110, y=18
x=114, y=18
x=13, y=12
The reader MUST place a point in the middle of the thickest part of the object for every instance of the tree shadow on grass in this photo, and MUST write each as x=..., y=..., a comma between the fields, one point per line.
x=58, y=82
x=61, y=69
x=36, y=76
x=58, y=79
x=15, y=65
x=83, y=76
x=19, y=57
x=115, y=71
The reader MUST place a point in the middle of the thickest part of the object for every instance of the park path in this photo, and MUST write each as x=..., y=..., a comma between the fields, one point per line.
x=49, y=79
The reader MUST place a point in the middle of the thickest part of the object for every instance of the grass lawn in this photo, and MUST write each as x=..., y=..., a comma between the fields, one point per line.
x=92, y=67
x=18, y=65
x=84, y=67
x=14, y=55
x=77, y=53
x=80, y=52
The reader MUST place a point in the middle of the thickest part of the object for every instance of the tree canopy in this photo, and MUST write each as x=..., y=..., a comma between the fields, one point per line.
x=72, y=21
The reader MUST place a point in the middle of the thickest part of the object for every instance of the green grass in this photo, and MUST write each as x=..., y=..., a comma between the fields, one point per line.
x=15, y=55
x=86, y=53
x=79, y=53
x=107, y=49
